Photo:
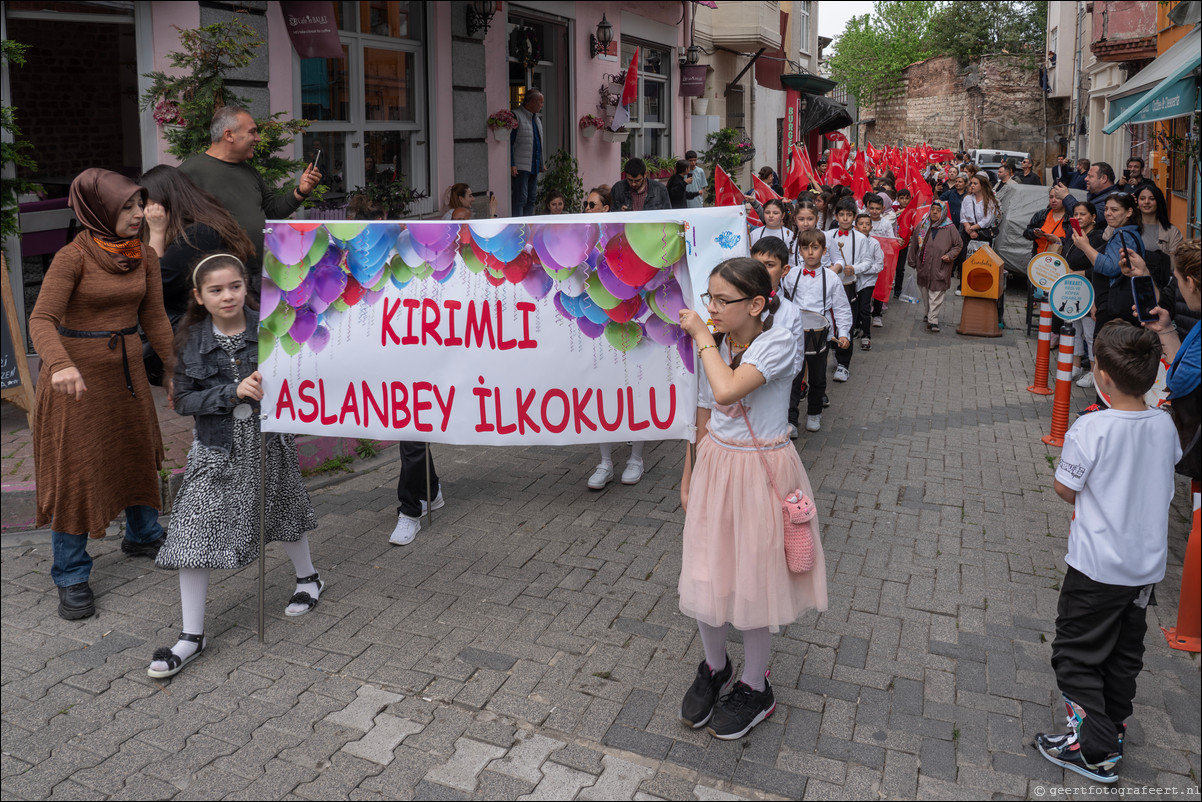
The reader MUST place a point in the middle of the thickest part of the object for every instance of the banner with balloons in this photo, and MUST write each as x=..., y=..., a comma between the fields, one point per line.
x=540, y=330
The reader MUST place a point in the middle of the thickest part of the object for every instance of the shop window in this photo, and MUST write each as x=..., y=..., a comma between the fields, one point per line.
x=369, y=107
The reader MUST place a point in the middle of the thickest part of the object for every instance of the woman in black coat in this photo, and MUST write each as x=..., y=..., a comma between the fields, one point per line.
x=680, y=186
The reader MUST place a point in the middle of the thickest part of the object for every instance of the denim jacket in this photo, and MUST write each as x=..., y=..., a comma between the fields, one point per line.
x=206, y=386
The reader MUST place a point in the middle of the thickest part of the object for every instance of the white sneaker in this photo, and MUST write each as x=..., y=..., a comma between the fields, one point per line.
x=1086, y=380
x=1078, y=372
x=438, y=504
x=633, y=473
x=842, y=374
x=878, y=322
x=406, y=529
x=793, y=431
x=601, y=477
x=813, y=423
x=958, y=292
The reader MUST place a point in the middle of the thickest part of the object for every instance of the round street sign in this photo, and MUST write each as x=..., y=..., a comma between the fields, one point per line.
x=1044, y=268
x=1071, y=297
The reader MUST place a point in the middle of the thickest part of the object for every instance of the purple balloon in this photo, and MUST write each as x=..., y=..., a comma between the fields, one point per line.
x=304, y=325
x=559, y=307
x=300, y=296
x=331, y=258
x=663, y=333
x=317, y=305
x=328, y=283
x=319, y=339
x=372, y=297
x=270, y=295
x=618, y=289
x=435, y=236
x=441, y=276
x=537, y=282
x=289, y=245
x=540, y=248
x=442, y=261
x=590, y=329
x=685, y=346
x=670, y=299
x=662, y=277
x=569, y=244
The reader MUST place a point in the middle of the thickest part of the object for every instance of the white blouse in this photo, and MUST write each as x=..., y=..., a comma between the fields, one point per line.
x=773, y=354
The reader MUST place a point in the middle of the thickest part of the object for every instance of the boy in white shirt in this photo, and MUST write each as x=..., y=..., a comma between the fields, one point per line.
x=850, y=257
x=773, y=254
x=866, y=282
x=814, y=288
x=884, y=224
x=1117, y=472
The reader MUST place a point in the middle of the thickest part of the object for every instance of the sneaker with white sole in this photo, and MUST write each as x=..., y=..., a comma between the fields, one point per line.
x=813, y=423
x=633, y=473
x=1086, y=380
x=438, y=503
x=842, y=374
x=740, y=710
x=601, y=477
x=878, y=322
x=1065, y=751
x=406, y=529
x=793, y=431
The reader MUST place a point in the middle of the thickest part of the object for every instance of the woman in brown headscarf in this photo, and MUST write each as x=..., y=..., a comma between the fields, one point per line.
x=97, y=447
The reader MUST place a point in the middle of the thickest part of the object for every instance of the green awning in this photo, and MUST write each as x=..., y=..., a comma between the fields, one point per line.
x=1166, y=88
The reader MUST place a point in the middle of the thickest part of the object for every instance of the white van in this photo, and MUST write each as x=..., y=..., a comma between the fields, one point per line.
x=989, y=159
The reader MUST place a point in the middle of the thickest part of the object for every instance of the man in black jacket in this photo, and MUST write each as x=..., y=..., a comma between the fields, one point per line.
x=636, y=193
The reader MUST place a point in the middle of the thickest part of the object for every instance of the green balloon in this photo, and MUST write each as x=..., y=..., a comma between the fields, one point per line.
x=321, y=244
x=266, y=343
x=340, y=305
x=290, y=346
x=400, y=271
x=623, y=336
x=286, y=277
x=601, y=296
x=560, y=275
x=385, y=275
x=469, y=259
x=658, y=244
x=423, y=271
x=345, y=230
x=280, y=320
x=653, y=305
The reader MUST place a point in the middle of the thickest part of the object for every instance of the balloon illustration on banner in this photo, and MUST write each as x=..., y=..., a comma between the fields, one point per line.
x=617, y=282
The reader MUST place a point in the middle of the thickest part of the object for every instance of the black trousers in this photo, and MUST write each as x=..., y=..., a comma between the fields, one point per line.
x=843, y=355
x=411, y=484
x=1097, y=654
x=814, y=373
x=863, y=311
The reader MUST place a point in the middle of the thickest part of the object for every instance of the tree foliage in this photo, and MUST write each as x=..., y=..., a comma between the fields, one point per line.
x=13, y=152
x=874, y=49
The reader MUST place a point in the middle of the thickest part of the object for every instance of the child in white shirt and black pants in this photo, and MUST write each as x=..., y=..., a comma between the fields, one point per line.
x=1117, y=472
x=851, y=256
x=812, y=287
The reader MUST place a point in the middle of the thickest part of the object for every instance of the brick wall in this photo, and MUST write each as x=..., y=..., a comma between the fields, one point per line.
x=76, y=96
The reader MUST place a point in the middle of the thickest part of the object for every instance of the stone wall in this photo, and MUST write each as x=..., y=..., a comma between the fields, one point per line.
x=996, y=102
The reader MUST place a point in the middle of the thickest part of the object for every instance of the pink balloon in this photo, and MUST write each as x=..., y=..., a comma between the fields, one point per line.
x=319, y=339
x=270, y=295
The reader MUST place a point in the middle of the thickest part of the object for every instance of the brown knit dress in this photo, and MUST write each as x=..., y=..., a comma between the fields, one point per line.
x=97, y=456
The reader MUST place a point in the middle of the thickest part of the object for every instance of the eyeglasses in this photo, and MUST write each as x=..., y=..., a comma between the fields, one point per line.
x=720, y=303
x=593, y=205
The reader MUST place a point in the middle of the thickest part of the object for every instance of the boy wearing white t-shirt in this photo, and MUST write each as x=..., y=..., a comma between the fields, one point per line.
x=1116, y=470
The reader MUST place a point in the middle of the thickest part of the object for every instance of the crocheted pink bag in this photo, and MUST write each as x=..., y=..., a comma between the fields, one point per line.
x=798, y=511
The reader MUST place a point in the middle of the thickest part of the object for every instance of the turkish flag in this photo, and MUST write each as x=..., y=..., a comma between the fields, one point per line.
x=798, y=178
x=884, y=280
x=630, y=93
x=727, y=194
x=836, y=173
x=860, y=185
x=763, y=192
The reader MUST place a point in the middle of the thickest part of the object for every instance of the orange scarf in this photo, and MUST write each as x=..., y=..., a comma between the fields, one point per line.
x=131, y=249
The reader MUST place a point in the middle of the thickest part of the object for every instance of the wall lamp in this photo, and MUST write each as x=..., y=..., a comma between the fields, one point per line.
x=479, y=16
x=603, y=38
x=690, y=56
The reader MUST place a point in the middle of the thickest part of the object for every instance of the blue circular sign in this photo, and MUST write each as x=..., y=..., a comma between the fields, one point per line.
x=1071, y=297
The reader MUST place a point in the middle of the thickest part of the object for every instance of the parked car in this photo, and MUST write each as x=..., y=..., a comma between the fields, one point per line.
x=989, y=159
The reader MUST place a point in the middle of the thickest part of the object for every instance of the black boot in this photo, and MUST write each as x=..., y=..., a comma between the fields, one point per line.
x=76, y=602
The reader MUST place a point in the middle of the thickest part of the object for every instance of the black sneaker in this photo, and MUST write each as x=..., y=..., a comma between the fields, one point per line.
x=1065, y=751
x=740, y=710
x=826, y=400
x=698, y=704
x=151, y=550
x=76, y=601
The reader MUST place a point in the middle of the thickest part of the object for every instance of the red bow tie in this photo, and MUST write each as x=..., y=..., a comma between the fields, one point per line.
x=811, y=273
x=844, y=233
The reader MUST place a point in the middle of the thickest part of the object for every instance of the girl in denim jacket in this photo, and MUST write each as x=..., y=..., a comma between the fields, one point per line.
x=214, y=523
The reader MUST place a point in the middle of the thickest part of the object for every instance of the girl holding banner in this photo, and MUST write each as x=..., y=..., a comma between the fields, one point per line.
x=214, y=522
x=733, y=570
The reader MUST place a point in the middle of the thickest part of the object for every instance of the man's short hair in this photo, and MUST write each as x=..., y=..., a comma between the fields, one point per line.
x=1009, y=166
x=1137, y=160
x=871, y=198
x=531, y=94
x=1083, y=164
x=225, y=119
x=690, y=154
x=635, y=167
x=774, y=247
x=1105, y=170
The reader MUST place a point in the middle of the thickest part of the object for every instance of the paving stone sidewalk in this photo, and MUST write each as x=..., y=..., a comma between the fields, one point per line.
x=528, y=644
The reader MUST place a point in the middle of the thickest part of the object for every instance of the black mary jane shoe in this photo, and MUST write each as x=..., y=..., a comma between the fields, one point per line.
x=304, y=598
x=175, y=663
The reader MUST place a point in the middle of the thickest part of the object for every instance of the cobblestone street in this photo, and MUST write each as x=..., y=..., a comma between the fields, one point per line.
x=528, y=644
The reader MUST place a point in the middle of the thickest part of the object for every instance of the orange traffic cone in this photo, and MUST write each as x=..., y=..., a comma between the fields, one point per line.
x=1043, y=352
x=1187, y=635
x=1064, y=388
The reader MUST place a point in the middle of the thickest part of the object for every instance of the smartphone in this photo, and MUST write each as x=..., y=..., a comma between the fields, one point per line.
x=317, y=160
x=1126, y=173
x=1076, y=226
x=1144, y=292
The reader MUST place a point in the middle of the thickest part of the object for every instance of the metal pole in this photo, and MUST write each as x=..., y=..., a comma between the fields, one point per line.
x=429, y=495
x=262, y=527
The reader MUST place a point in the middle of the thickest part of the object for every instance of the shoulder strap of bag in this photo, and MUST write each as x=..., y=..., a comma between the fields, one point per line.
x=759, y=451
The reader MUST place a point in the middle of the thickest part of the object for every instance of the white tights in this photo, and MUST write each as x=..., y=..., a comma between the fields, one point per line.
x=757, y=645
x=636, y=453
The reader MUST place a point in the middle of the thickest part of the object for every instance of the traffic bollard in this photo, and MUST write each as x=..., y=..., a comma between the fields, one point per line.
x=1187, y=634
x=1064, y=389
x=1043, y=352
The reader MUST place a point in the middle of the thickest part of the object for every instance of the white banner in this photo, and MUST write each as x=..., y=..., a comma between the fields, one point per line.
x=544, y=330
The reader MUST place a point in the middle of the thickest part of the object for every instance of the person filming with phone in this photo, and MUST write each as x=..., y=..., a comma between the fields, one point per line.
x=224, y=172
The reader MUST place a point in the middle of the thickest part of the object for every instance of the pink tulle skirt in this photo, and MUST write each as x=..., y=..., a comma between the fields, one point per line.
x=733, y=569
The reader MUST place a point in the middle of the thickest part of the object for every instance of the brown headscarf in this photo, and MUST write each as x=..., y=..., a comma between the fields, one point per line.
x=97, y=197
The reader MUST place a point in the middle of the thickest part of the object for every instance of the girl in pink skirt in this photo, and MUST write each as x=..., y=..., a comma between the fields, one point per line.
x=733, y=570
